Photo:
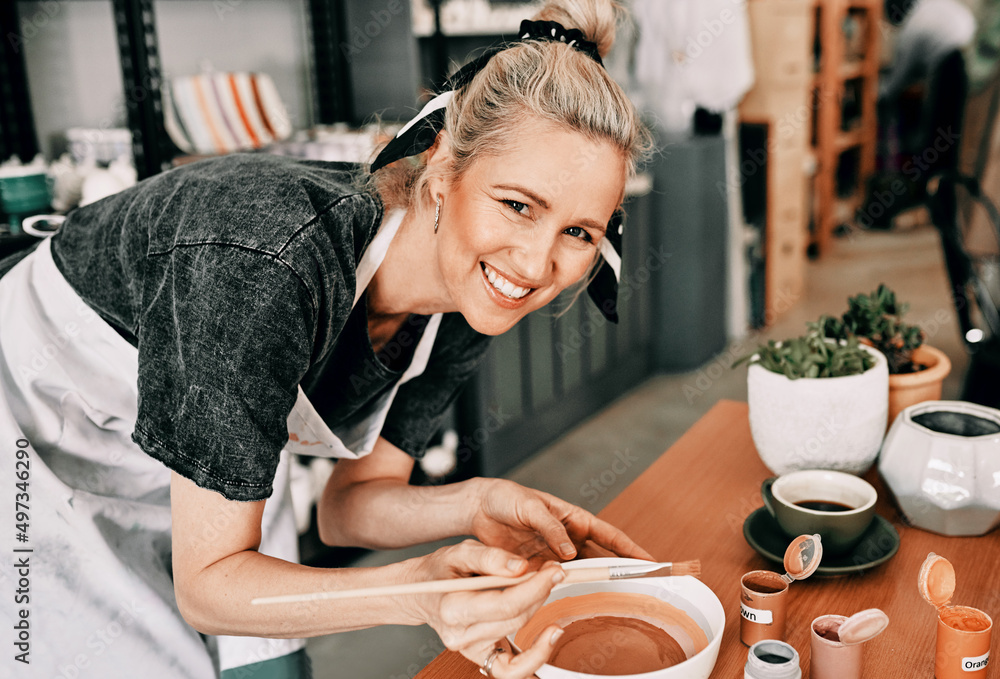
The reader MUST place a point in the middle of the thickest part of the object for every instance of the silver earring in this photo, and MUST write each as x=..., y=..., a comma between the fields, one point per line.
x=437, y=214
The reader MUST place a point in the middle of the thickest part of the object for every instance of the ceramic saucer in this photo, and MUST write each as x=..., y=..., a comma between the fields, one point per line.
x=879, y=543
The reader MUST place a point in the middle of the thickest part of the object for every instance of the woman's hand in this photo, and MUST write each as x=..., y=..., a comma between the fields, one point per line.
x=475, y=623
x=540, y=527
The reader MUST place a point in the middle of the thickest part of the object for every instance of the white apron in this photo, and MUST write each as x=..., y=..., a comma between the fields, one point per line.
x=101, y=601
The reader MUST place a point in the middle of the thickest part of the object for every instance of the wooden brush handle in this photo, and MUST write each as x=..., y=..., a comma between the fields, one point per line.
x=435, y=586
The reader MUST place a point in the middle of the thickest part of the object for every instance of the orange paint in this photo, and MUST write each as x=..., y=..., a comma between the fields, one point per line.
x=965, y=619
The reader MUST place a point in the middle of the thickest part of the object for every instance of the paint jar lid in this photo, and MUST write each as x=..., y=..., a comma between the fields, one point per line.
x=863, y=626
x=803, y=556
x=936, y=581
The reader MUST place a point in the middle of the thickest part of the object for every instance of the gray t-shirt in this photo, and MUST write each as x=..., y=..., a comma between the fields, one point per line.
x=234, y=278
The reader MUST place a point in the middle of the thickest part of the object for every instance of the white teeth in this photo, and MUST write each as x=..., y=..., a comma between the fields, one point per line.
x=505, y=286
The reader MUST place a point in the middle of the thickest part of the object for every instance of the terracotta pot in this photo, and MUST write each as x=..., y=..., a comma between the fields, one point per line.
x=906, y=390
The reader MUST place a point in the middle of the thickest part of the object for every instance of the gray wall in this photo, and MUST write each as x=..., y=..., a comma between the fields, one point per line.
x=379, y=32
x=73, y=67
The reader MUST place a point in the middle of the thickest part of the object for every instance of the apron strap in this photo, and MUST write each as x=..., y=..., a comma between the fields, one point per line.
x=375, y=253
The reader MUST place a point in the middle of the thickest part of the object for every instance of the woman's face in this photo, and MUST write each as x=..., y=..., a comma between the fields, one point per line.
x=521, y=226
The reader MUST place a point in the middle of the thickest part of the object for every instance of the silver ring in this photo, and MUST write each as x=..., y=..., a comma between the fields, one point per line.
x=487, y=669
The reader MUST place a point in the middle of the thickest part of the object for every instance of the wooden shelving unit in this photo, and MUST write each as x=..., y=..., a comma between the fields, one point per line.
x=781, y=35
x=846, y=54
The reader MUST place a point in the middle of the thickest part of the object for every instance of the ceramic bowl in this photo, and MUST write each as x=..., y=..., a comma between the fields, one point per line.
x=699, y=606
x=226, y=95
x=247, y=104
x=185, y=98
x=272, y=109
x=945, y=482
x=819, y=423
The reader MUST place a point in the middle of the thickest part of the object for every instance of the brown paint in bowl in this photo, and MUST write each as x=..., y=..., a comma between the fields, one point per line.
x=616, y=633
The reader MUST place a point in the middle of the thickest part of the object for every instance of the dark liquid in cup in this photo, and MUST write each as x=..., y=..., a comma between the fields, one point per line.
x=824, y=506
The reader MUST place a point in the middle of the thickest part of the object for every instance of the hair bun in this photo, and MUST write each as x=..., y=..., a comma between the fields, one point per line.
x=597, y=19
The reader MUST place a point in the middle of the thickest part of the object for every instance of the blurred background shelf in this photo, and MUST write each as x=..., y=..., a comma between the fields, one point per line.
x=846, y=50
x=142, y=71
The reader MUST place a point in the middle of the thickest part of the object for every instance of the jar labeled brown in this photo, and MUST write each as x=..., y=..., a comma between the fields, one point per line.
x=763, y=602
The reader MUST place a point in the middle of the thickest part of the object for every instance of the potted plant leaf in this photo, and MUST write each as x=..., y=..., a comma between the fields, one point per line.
x=817, y=403
x=916, y=370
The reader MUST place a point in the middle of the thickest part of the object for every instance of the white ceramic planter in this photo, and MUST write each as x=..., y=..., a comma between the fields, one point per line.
x=944, y=483
x=819, y=423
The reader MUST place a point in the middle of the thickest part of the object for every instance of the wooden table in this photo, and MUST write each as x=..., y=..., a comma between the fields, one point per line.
x=691, y=503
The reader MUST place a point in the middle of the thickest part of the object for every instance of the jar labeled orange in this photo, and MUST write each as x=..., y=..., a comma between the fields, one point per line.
x=963, y=634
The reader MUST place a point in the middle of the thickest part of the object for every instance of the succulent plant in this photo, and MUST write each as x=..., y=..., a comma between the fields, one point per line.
x=878, y=319
x=812, y=355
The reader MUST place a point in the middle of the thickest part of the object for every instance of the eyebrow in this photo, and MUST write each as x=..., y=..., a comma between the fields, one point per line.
x=589, y=223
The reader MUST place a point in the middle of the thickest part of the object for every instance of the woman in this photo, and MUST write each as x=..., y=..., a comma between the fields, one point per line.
x=167, y=350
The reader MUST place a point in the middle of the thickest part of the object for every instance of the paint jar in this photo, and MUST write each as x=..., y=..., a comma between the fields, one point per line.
x=962, y=649
x=829, y=657
x=763, y=602
x=772, y=660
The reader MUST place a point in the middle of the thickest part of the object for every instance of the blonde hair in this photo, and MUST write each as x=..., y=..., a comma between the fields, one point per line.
x=545, y=79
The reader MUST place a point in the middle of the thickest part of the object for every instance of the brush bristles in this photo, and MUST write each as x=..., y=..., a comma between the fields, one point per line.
x=686, y=568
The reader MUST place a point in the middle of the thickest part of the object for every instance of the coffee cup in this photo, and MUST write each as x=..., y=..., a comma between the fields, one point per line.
x=838, y=506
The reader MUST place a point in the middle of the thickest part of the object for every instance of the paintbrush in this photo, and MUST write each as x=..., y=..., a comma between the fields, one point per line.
x=479, y=582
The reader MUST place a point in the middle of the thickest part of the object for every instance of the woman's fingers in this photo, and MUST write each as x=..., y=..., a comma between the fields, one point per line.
x=605, y=535
x=583, y=526
x=474, y=557
x=511, y=606
x=524, y=665
x=538, y=516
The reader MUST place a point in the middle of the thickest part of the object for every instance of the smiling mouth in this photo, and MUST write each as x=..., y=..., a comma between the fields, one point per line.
x=505, y=290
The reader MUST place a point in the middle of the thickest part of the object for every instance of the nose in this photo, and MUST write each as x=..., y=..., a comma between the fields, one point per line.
x=533, y=256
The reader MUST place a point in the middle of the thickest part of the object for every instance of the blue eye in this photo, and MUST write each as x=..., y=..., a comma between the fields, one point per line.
x=579, y=232
x=517, y=206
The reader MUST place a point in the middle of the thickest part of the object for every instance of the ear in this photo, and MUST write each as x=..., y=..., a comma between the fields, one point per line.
x=439, y=163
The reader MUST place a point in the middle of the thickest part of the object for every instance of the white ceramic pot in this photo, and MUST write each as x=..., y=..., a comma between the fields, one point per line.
x=945, y=483
x=819, y=423
x=684, y=592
